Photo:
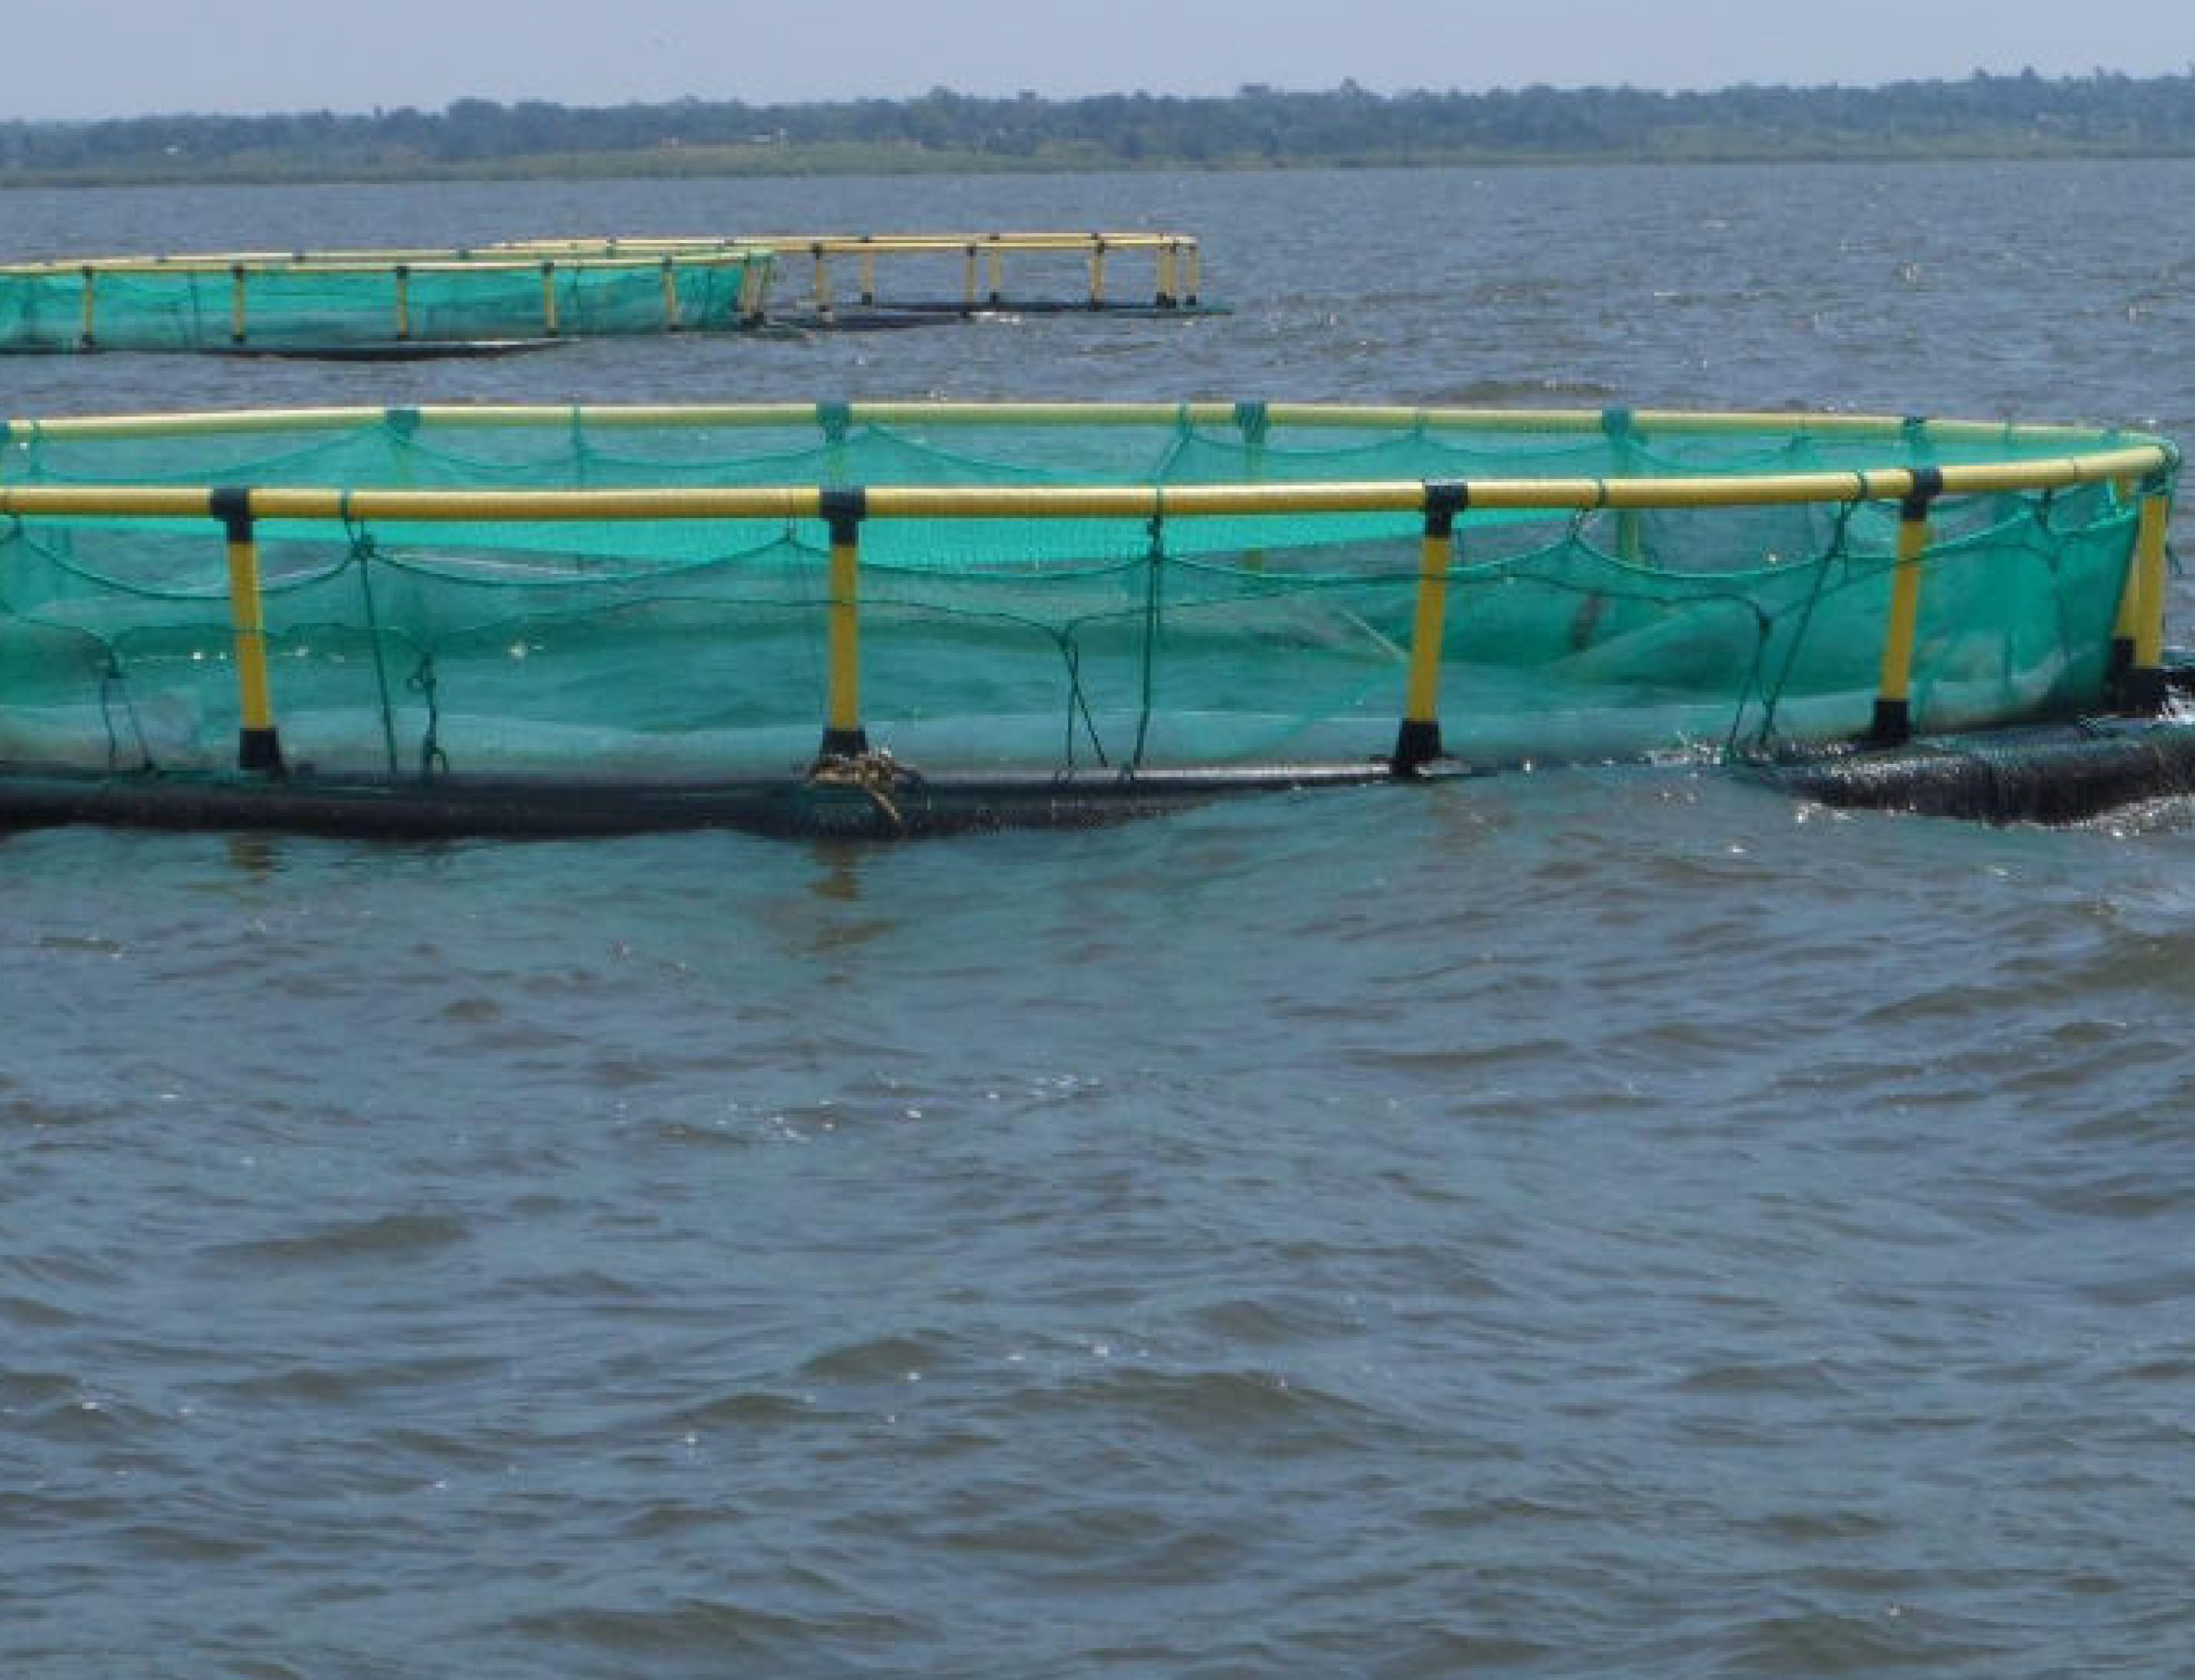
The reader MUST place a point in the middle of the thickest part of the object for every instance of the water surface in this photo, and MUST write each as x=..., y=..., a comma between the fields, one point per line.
x=1603, y=1220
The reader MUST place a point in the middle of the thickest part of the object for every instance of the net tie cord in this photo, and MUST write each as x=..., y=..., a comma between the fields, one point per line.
x=1066, y=638
x=422, y=683
x=1077, y=702
x=1598, y=596
x=1771, y=694
x=2158, y=482
x=1153, y=600
x=363, y=550
x=113, y=684
x=113, y=679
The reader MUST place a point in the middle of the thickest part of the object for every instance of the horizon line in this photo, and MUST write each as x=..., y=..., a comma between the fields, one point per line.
x=1346, y=86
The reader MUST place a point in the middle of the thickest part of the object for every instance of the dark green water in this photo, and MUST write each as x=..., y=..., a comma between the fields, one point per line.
x=1590, y=1222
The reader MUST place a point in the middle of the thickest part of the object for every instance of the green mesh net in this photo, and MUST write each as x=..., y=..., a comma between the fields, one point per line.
x=329, y=302
x=1037, y=587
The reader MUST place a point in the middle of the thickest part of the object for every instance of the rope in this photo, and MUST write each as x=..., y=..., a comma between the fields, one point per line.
x=875, y=774
x=581, y=449
x=362, y=550
x=1764, y=624
x=111, y=679
x=1771, y=697
x=1154, y=599
x=1078, y=701
x=422, y=683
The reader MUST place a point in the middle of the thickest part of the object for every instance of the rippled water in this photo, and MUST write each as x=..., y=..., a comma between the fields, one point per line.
x=1600, y=1222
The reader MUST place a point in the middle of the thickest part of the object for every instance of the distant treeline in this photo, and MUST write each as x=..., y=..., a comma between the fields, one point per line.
x=2022, y=115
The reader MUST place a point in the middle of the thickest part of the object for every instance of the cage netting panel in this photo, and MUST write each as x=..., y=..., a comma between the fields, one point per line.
x=308, y=302
x=675, y=646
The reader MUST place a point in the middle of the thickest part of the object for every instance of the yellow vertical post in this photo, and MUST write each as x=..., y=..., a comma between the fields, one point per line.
x=551, y=325
x=755, y=274
x=2122, y=628
x=1617, y=425
x=236, y=303
x=403, y=299
x=670, y=322
x=1169, y=266
x=2130, y=599
x=1097, y=271
x=1630, y=536
x=1418, y=743
x=89, y=336
x=1254, y=421
x=2143, y=688
x=998, y=273
x=258, y=747
x=969, y=282
x=868, y=278
x=1195, y=273
x=822, y=281
x=843, y=511
x=1893, y=703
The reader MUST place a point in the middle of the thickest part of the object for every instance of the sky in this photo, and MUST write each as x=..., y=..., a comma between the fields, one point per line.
x=135, y=57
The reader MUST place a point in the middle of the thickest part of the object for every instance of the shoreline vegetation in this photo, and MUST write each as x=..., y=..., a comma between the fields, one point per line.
x=1981, y=118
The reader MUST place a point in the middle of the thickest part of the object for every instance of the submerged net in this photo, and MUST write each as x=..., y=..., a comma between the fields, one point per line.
x=333, y=302
x=1037, y=587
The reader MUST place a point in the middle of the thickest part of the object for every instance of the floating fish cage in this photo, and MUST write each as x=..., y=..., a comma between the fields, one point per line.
x=866, y=279
x=359, y=303
x=498, y=298
x=896, y=617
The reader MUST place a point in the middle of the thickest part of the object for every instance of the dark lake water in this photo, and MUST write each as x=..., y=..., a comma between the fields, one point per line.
x=1583, y=1222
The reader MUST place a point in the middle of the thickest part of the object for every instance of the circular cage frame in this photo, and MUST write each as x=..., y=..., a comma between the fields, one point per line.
x=1910, y=464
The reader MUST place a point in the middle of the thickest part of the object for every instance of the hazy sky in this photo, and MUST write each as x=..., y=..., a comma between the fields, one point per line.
x=126, y=57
